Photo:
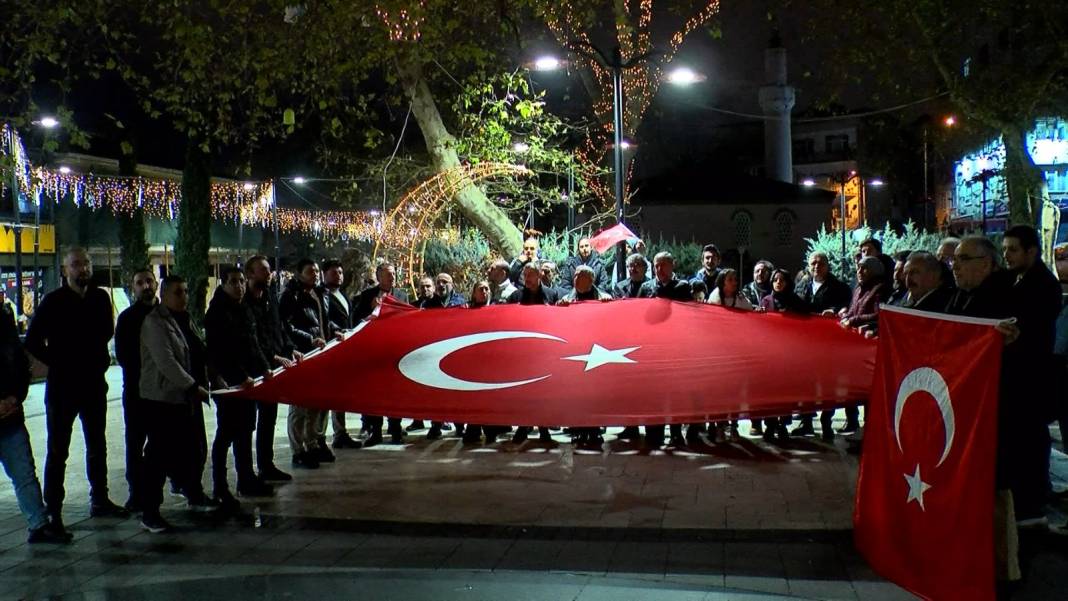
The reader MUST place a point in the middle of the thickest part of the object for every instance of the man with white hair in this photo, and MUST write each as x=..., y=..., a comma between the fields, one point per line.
x=583, y=288
x=500, y=286
x=637, y=268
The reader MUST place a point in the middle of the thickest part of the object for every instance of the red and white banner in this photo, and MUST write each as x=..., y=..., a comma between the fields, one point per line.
x=924, y=505
x=610, y=237
x=618, y=363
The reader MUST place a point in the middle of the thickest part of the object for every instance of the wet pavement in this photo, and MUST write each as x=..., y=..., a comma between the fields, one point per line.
x=438, y=520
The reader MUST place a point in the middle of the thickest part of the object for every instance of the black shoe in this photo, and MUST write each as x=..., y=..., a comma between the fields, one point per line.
x=416, y=425
x=805, y=430
x=227, y=502
x=154, y=523
x=132, y=505
x=202, y=503
x=544, y=435
x=693, y=435
x=305, y=460
x=677, y=440
x=372, y=440
x=273, y=474
x=323, y=454
x=434, y=433
x=473, y=439
x=630, y=433
x=828, y=435
x=255, y=488
x=654, y=442
x=104, y=508
x=520, y=435
x=344, y=441
x=396, y=438
x=49, y=533
x=782, y=433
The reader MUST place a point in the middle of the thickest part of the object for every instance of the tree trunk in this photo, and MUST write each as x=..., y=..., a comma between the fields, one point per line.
x=133, y=248
x=1024, y=181
x=191, y=259
x=487, y=217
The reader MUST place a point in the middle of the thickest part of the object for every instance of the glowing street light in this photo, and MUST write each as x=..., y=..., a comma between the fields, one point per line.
x=950, y=121
x=48, y=122
x=299, y=180
x=876, y=182
x=249, y=186
x=64, y=170
x=684, y=76
x=547, y=63
x=808, y=182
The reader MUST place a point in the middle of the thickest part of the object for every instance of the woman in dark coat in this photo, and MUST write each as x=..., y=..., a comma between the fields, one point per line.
x=782, y=297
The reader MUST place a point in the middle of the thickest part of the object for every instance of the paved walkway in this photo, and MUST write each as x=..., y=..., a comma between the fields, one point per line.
x=437, y=520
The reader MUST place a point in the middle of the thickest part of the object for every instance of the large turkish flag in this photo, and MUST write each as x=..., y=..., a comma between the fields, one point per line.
x=925, y=495
x=618, y=363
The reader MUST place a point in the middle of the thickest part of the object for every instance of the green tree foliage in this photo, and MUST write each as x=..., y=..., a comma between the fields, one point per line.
x=1003, y=63
x=909, y=238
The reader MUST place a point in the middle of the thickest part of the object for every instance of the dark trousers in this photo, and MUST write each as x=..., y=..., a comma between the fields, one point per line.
x=61, y=408
x=135, y=438
x=266, y=417
x=235, y=420
x=171, y=448
x=1023, y=464
x=374, y=423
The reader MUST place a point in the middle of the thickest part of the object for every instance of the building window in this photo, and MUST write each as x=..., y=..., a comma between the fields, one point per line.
x=804, y=148
x=743, y=229
x=784, y=227
x=836, y=144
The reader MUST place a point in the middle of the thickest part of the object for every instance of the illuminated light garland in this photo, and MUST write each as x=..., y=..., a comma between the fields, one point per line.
x=412, y=219
x=403, y=24
x=11, y=146
x=640, y=83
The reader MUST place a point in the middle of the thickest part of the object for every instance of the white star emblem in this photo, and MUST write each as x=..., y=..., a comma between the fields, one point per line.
x=916, y=488
x=599, y=356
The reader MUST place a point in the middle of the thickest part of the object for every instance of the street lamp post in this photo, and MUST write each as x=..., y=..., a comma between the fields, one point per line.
x=617, y=65
x=16, y=224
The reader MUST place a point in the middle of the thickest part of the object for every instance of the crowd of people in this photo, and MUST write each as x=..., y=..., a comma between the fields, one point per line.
x=250, y=328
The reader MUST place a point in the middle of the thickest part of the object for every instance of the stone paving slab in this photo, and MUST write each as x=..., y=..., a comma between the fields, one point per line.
x=435, y=519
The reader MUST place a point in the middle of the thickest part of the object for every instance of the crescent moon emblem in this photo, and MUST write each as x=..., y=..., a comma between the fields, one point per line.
x=423, y=365
x=928, y=380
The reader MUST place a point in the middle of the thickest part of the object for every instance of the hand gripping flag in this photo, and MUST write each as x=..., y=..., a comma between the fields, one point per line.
x=619, y=363
x=925, y=495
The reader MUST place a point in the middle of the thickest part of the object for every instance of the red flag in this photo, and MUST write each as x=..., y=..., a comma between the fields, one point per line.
x=924, y=506
x=610, y=237
x=624, y=362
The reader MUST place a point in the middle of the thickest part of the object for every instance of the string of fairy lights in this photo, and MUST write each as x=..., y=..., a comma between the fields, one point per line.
x=248, y=203
x=640, y=82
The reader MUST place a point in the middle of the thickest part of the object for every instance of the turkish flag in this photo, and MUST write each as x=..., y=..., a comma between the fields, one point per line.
x=925, y=496
x=618, y=363
x=608, y=238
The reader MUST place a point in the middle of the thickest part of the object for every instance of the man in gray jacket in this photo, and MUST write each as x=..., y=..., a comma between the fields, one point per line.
x=171, y=388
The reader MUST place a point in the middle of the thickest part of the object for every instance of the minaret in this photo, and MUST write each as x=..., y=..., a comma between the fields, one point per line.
x=777, y=100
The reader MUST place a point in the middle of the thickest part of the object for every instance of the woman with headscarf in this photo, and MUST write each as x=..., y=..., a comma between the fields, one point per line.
x=782, y=297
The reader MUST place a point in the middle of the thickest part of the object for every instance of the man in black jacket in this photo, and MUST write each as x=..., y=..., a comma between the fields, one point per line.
x=365, y=303
x=827, y=295
x=533, y=292
x=340, y=317
x=303, y=312
x=276, y=346
x=70, y=333
x=665, y=285
x=234, y=359
x=1029, y=396
x=590, y=258
x=128, y=353
x=637, y=268
x=16, y=454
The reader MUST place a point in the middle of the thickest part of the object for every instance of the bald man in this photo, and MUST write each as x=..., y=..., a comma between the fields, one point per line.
x=70, y=333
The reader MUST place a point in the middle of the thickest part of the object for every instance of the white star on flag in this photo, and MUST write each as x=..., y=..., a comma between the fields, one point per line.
x=916, y=488
x=599, y=356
